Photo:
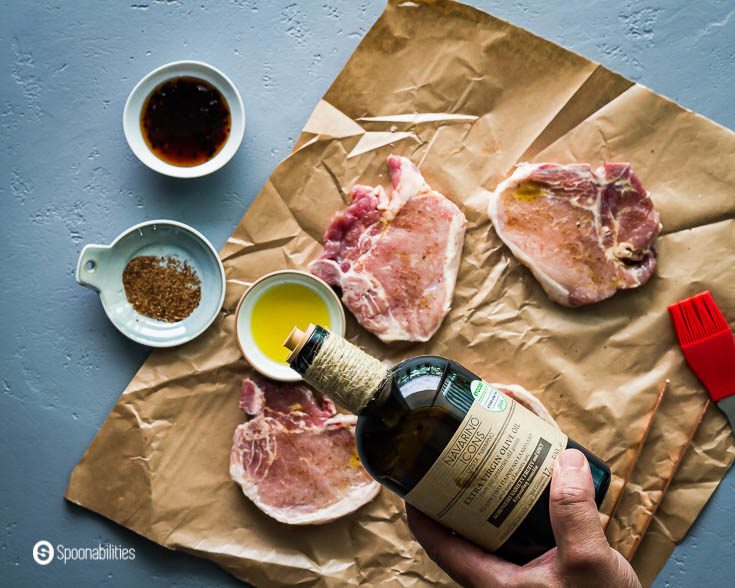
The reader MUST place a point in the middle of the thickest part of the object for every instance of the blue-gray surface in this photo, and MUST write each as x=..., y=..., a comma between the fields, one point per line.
x=68, y=178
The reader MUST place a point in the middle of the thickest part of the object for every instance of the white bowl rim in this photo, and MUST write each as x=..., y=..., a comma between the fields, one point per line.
x=327, y=288
x=221, y=269
x=164, y=73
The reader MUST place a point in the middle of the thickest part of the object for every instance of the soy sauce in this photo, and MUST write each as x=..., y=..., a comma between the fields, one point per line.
x=185, y=121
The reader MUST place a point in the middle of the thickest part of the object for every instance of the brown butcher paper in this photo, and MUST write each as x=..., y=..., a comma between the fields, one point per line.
x=465, y=96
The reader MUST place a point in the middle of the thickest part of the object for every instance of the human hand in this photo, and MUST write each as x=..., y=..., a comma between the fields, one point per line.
x=581, y=558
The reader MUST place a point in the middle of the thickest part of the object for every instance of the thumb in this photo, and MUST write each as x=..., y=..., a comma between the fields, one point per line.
x=579, y=536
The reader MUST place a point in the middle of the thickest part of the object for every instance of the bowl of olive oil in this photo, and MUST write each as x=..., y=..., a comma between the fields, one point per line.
x=271, y=307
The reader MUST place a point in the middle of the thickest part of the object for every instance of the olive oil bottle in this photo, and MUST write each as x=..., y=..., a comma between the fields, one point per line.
x=454, y=446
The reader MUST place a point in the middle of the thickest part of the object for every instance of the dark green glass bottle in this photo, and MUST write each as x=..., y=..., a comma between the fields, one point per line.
x=410, y=419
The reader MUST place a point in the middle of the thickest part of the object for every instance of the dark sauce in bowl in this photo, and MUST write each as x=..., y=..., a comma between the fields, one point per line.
x=185, y=121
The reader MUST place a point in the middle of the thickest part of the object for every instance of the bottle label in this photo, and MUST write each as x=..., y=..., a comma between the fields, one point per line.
x=492, y=471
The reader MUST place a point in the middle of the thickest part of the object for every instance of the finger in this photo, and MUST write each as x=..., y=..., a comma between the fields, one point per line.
x=466, y=563
x=574, y=517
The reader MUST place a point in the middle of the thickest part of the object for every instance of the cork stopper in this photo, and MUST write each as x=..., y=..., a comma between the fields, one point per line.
x=295, y=338
x=296, y=341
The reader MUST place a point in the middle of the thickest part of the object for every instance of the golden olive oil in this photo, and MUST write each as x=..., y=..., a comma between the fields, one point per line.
x=529, y=191
x=280, y=308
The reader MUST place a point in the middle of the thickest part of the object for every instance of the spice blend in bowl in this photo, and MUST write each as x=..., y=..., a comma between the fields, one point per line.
x=161, y=283
x=162, y=288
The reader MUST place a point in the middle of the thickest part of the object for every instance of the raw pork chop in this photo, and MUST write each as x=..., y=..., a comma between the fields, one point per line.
x=296, y=458
x=528, y=400
x=584, y=234
x=395, y=257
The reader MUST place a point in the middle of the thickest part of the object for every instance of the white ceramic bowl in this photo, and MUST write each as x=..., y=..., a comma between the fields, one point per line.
x=100, y=267
x=243, y=317
x=137, y=98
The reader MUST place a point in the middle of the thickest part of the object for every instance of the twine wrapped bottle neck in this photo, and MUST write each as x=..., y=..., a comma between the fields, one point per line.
x=337, y=368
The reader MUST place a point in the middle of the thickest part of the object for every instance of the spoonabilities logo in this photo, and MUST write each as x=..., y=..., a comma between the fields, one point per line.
x=43, y=553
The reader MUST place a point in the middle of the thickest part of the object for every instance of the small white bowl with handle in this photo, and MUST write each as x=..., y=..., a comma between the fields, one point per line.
x=100, y=267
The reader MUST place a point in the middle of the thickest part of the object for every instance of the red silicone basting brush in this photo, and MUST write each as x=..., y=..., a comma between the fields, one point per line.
x=709, y=347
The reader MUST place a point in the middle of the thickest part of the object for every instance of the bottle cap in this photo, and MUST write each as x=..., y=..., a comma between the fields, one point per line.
x=296, y=340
